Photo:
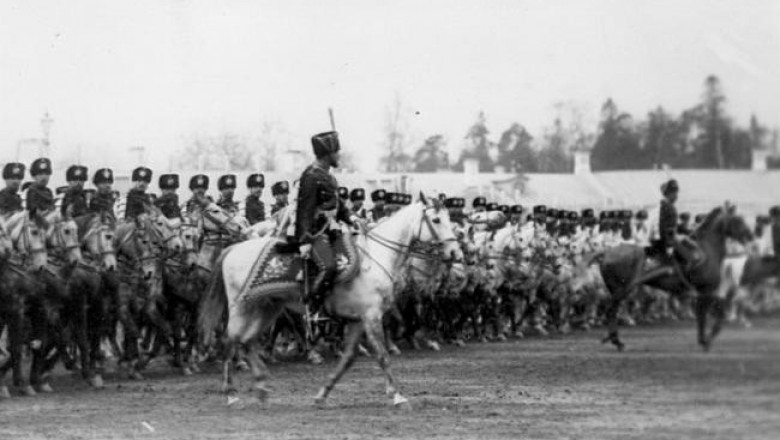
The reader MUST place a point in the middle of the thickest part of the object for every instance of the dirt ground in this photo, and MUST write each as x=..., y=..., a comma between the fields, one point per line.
x=547, y=388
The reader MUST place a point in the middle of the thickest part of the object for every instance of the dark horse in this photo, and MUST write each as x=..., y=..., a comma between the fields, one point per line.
x=624, y=269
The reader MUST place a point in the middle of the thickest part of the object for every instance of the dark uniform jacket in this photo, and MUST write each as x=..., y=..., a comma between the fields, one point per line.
x=227, y=204
x=684, y=229
x=102, y=203
x=192, y=205
x=318, y=192
x=169, y=205
x=667, y=223
x=39, y=198
x=77, y=198
x=254, y=210
x=10, y=201
x=136, y=202
x=776, y=239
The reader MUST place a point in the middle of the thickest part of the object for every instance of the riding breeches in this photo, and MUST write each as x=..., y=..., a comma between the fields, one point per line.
x=323, y=256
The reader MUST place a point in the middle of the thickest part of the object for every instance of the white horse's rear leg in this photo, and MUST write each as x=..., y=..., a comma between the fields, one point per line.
x=353, y=333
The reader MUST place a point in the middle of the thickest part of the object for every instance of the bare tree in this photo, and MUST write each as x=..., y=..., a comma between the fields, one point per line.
x=397, y=139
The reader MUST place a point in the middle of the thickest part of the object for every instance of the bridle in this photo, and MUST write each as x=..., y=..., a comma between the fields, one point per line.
x=221, y=225
x=104, y=246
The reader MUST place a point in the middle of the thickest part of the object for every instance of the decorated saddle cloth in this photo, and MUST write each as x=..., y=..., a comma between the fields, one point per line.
x=279, y=267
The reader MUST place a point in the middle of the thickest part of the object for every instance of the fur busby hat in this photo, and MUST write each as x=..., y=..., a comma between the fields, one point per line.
x=227, y=181
x=40, y=166
x=324, y=144
x=540, y=209
x=199, y=181
x=574, y=215
x=492, y=206
x=142, y=174
x=343, y=192
x=454, y=202
x=627, y=214
x=562, y=214
x=504, y=209
x=378, y=195
x=103, y=175
x=256, y=180
x=13, y=170
x=516, y=209
x=552, y=213
x=685, y=216
x=587, y=213
x=280, y=188
x=393, y=198
x=479, y=202
x=168, y=181
x=76, y=173
x=670, y=187
x=641, y=214
x=407, y=200
x=774, y=211
x=357, y=195
x=699, y=218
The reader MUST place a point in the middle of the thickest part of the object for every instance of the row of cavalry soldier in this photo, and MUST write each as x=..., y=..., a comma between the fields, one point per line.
x=79, y=282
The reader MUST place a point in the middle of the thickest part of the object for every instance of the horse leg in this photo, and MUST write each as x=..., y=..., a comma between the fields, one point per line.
x=702, y=309
x=354, y=332
x=374, y=333
x=259, y=370
x=612, y=323
x=16, y=343
x=719, y=309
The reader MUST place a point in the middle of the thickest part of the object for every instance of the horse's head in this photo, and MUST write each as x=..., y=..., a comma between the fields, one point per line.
x=724, y=223
x=28, y=233
x=63, y=234
x=143, y=249
x=99, y=241
x=6, y=245
x=435, y=227
x=164, y=231
x=189, y=234
x=216, y=219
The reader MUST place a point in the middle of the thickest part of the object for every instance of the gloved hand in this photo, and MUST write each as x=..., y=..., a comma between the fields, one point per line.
x=305, y=250
x=669, y=251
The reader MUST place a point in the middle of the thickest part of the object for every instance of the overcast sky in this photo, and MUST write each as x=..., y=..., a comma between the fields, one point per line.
x=115, y=74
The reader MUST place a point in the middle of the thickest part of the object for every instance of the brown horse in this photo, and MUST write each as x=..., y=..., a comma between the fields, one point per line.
x=623, y=269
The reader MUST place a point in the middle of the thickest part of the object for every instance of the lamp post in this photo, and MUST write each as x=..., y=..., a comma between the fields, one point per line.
x=46, y=123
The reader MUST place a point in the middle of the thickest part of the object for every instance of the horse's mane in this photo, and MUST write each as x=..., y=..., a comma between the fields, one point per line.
x=708, y=222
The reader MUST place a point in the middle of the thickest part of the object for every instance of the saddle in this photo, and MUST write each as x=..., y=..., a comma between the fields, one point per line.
x=280, y=268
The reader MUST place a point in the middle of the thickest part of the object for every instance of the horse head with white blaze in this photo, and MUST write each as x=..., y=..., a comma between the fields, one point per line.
x=27, y=231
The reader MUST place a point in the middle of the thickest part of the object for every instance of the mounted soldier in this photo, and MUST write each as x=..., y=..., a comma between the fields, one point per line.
x=168, y=202
x=137, y=198
x=455, y=207
x=199, y=184
x=39, y=196
x=318, y=211
x=357, y=196
x=516, y=215
x=227, y=187
x=10, y=200
x=378, y=210
x=103, y=201
x=281, y=192
x=75, y=198
x=254, y=208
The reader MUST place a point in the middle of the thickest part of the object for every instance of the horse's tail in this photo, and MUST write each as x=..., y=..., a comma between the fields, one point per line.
x=213, y=303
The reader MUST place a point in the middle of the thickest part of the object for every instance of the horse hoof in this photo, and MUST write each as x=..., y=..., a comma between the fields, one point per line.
x=186, y=371
x=135, y=375
x=460, y=343
x=195, y=368
x=401, y=402
x=242, y=366
x=232, y=400
x=319, y=399
x=97, y=382
x=433, y=345
x=394, y=350
x=45, y=388
x=263, y=393
x=316, y=358
x=29, y=391
x=501, y=338
x=519, y=334
x=4, y=393
x=483, y=339
x=363, y=351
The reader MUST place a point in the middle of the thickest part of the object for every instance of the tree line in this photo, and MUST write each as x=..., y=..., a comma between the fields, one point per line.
x=703, y=136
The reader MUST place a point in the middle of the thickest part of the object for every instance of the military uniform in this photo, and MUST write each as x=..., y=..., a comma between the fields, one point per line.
x=10, y=201
x=197, y=182
x=103, y=200
x=137, y=200
x=317, y=211
x=75, y=197
x=39, y=198
x=667, y=224
x=168, y=203
x=228, y=204
x=278, y=189
x=254, y=208
x=377, y=212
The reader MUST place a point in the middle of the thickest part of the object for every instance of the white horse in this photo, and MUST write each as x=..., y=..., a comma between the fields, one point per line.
x=362, y=301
